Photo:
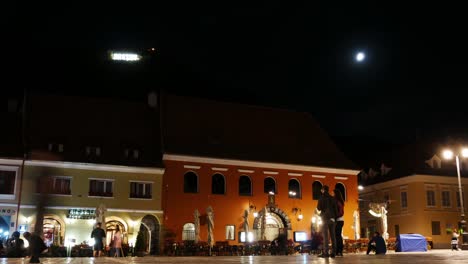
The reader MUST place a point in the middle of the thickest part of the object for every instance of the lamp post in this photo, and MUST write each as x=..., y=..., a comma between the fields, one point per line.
x=448, y=154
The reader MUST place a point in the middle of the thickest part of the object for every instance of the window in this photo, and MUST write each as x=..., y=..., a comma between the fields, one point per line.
x=446, y=198
x=190, y=182
x=7, y=180
x=316, y=190
x=132, y=153
x=294, y=188
x=435, y=228
x=61, y=185
x=230, y=232
x=404, y=199
x=430, y=198
x=341, y=187
x=269, y=185
x=141, y=190
x=101, y=188
x=93, y=151
x=188, y=233
x=245, y=186
x=54, y=147
x=217, y=184
x=458, y=199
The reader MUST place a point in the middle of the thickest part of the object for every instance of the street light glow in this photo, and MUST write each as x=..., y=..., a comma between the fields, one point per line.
x=464, y=152
x=447, y=154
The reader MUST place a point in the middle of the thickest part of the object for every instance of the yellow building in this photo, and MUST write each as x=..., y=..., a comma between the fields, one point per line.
x=72, y=192
x=420, y=203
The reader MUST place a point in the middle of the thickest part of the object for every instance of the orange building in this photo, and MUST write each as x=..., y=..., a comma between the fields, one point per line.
x=230, y=157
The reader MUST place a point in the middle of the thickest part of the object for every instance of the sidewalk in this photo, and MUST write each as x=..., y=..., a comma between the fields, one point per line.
x=439, y=256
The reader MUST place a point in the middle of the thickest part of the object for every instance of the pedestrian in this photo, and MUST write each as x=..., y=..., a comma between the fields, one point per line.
x=117, y=242
x=454, y=241
x=339, y=222
x=15, y=246
x=36, y=246
x=98, y=234
x=377, y=244
x=328, y=212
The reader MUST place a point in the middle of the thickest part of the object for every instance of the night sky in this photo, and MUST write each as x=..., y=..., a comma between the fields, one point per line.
x=290, y=54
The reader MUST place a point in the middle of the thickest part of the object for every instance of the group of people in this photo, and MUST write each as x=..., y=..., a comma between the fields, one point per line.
x=99, y=236
x=331, y=210
x=15, y=247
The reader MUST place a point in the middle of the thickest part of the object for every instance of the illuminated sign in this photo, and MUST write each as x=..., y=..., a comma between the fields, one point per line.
x=120, y=56
x=81, y=214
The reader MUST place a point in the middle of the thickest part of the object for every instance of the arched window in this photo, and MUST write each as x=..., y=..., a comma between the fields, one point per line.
x=245, y=186
x=269, y=185
x=294, y=188
x=316, y=190
x=339, y=186
x=188, y=233
x=218, y=185
x=190, y=182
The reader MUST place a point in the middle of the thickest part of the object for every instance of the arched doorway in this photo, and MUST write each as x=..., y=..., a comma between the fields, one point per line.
x=150, y=225
x=276, y=222
x=111, y=227
x=52, y=230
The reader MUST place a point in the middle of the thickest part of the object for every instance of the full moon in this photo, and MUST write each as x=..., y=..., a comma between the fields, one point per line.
x=360, y=56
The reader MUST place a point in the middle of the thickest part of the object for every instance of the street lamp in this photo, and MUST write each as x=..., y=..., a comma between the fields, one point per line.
x=448, y=154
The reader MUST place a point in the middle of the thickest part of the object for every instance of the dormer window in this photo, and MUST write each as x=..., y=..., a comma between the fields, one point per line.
x=132, y=153
x=435, y=162
x=55, y=147
x=93, y=151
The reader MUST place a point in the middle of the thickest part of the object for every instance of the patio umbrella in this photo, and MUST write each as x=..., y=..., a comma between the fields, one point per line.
x=210, y=223
x=262, y=228
x=246, y=222
x=100, y=211
x=356, y=226
x=196, y=221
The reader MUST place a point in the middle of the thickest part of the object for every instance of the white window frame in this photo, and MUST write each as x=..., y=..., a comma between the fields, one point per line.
x=102, y=179
x=430, y=188
x=61, y=177
x=16, y=170
x=405, y=191
x=442, y=200
x=151, y=183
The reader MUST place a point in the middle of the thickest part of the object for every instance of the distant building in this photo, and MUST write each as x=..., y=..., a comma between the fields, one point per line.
x=420, y=190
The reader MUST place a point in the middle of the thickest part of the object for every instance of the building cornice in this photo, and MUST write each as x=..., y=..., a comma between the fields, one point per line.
x=94, y=166
x=414, y=178
x=10, y=161
x=257, y=164
x=124, y=210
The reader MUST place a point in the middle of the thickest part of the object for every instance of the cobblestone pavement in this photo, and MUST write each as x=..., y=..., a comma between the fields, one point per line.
x=433, y=256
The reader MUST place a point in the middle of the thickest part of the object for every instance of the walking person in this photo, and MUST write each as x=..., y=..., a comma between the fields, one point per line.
x=454, y=241
x=36, y=246
x=328, y=212
x=117, y=244
x=98, y=234
x=339, y=222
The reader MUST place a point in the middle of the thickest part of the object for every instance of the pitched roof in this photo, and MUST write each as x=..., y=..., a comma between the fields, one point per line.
x=110, y=124
x=202, y=127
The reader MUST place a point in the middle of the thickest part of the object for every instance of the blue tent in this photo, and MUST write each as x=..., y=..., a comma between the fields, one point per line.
x=411, y=243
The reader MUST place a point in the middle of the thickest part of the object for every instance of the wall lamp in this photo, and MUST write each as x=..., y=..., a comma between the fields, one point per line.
x=298, y=212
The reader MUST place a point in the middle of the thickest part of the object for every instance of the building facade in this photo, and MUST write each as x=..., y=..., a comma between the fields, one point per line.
x=424, y=204
x=287, y=194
